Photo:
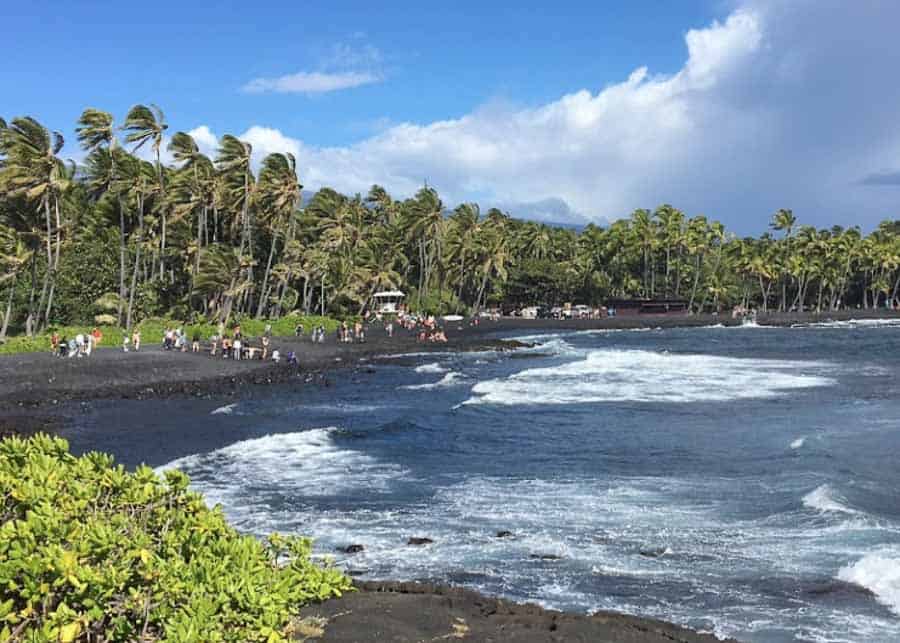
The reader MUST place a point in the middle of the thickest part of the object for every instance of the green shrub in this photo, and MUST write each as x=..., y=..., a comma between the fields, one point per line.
x=90, y=552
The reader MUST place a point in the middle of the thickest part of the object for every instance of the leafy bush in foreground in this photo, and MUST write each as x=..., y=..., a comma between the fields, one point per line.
x=91, y=552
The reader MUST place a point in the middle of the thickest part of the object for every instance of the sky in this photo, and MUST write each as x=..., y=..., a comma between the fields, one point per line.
x=568, y=113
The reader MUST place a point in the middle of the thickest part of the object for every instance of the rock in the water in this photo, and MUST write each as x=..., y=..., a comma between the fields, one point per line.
x=351, y=549
x=504, y=534
x=654, y=553
x=419, y=541
x=545, y=557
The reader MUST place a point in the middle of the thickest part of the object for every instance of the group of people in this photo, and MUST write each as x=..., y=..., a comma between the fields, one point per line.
x=176, y=339
x=81, y=345
x=317, y=336
x=236, y=346
x=346, y=336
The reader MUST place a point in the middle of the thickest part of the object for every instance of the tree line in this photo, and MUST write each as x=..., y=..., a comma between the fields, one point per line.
x=214, y=238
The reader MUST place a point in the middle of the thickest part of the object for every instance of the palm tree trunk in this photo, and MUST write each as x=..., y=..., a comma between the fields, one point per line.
x=8, y=314
x=137, y=263
x=55, y=263
x=29, y=319
x=121, y=303
x=262, y=300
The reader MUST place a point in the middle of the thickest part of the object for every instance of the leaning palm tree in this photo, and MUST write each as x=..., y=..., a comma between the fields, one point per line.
x=147, y=125
x=14, y=256
x=32, y=170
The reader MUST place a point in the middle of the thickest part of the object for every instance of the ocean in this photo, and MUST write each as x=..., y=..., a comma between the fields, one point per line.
x=741, y=481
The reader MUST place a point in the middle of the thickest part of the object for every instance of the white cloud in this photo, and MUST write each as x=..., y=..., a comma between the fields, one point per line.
x=342, y=66
x=311, y=82
x=779, y=105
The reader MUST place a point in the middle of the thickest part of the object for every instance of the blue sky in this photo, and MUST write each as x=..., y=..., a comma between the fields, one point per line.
x=541, y=109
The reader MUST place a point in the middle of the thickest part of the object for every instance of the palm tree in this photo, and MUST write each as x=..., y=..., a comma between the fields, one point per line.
x=784, y=221
x=14, y=255
x=33, y=171
x=96, y=133
x=279, y=195
x=147, y=125
x=461, y=240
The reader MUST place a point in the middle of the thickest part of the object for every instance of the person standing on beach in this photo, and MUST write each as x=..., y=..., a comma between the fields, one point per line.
x=136, y=339
x=54, y=343
x=97, y=335
x=195, y=345
x=237, y=345
x=265, y=347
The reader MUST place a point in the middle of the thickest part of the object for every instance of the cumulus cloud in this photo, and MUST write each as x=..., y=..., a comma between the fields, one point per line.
x=777, y=105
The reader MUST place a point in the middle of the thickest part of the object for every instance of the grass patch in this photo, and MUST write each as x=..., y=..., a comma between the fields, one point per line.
x=152, y=331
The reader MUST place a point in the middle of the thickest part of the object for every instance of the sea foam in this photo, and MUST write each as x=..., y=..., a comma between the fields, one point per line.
x=878, y=572
x=648, y=376
x=450, y=379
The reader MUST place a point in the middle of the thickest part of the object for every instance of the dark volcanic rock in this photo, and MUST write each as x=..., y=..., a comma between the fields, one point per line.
x=390, y=611
x=351, y=549
x=504, y=534
x=419, y=541
x=545, y=557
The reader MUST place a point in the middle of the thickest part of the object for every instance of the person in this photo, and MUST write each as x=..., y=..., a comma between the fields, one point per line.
x=389, y=328
x=168, y=339
x=125, y=343
x=292, y=358
x=268, y=330
x=136, y=339
x=298, y=331
x=226, y=346
x=359, y=333
x=79, y=344
x=63, y=347
x=195, y=345
x=88, y=344
x=237, y=346
x=73, y=348
x=237, y=332
x=54, y=343
x=98, y=336
x=276, y=356
x=213, y=343
x=265, y=347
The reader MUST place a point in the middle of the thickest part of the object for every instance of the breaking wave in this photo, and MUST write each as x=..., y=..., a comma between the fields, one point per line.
x=799, y=442
x=433, y=367
x=880, y=574
x=647, y=376
x=228, y=409
x=450, y=379
x=824, y=498
x=251, y=477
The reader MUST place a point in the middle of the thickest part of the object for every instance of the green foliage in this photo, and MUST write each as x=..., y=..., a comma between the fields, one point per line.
x=89, y=551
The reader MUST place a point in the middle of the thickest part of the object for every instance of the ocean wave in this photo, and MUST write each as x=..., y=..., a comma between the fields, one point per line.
x=879, y=573
x=799, y=442
x=433, y=367
x=450, y=379
x=251, y=477
x=228, y=409
x=852, y=323
x=825, y=499
x=648, y=376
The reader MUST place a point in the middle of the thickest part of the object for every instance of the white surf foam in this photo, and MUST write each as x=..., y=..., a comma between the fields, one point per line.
x=250, y=477
x=878, y=572
x=824, y=498
x=433, y=367
x=853, y=323
x=799, y=442
x=647, y=376
x=228, y=409
x=450, y=379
